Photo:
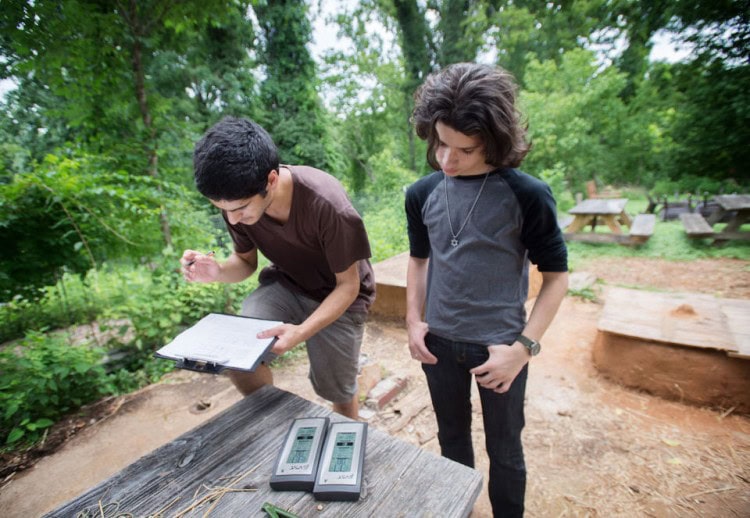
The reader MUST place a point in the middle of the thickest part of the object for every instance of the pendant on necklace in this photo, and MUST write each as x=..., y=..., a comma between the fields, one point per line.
x=454, y=242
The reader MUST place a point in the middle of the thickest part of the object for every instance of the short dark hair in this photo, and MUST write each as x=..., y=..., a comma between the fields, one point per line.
x=233, y=159
x=476, y=100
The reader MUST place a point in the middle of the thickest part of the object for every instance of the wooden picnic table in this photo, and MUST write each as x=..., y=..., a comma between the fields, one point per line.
x=237, y=449
x=610, y=212
x=733, y=208
x=594, y=211
x=737, y=208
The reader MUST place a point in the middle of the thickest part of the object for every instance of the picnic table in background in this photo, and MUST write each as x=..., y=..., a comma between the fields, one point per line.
x=733, y=208
x=610, y=212
x=224, y=467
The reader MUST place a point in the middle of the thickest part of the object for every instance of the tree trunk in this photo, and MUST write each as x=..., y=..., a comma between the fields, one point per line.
x=140, y=94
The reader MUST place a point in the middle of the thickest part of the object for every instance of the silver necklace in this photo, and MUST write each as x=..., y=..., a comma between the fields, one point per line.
x=454, y=235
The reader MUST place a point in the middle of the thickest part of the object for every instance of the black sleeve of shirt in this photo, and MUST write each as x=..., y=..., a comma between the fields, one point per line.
x=540, y=232
x=416, y=197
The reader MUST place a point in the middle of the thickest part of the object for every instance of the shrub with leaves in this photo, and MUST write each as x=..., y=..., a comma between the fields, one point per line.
x=169, y=304
x=41, y=380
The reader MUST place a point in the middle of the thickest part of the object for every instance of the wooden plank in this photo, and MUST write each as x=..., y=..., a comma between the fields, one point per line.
x=613, y=222
x=600, y=206
x=733, y=201
x=689, y=319
x=643, y=225
x=245, y=439
x=564, y=221
x=392, y=271
x=641, y=229
x=592, y=237
x=410, y=406
x=737, y=312
x=726, y=236
x=696, y=225
x=579, y=222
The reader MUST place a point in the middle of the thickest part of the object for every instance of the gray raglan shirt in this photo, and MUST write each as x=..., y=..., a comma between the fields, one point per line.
x=476, y=291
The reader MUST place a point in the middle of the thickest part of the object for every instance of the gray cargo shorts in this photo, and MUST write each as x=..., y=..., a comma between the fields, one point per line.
x=333, y=351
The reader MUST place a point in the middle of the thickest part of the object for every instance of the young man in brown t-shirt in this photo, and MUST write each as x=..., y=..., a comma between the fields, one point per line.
x=320, y=282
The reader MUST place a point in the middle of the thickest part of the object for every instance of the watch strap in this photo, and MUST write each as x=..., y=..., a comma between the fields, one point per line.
x=532, y=345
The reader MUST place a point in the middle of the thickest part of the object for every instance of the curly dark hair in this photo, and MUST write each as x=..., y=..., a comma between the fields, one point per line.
x=476, y=100
x=233, y=159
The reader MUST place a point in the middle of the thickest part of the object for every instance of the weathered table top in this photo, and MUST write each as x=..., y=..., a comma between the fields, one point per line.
x=237, y=450
x=733, y=201
x=600, y=206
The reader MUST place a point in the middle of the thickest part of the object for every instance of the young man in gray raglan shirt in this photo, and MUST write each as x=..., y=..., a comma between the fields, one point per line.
x=473, y=227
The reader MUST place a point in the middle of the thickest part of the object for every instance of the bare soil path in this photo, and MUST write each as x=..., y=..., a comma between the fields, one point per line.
x=593, y=448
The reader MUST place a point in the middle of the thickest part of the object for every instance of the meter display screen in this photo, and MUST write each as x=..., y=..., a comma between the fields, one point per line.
x=341, y=460
x=302, y=446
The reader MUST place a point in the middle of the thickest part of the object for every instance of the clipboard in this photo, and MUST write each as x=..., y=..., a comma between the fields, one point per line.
x=218, y=341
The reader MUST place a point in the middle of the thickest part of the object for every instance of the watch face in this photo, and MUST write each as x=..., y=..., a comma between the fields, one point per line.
x=535, y=348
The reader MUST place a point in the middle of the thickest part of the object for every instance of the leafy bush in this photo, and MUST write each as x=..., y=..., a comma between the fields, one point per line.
x=168, y=304
x=74, y=299
x=696, y=185
x=555, y=178
x=386, y=227
x=86, y=212
x=575, y=118
x=44, y=378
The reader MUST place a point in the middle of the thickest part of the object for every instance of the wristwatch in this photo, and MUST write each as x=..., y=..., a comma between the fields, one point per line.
x=531, y=345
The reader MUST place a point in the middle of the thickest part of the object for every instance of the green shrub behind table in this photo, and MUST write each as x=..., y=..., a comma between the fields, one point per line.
x=43, y=378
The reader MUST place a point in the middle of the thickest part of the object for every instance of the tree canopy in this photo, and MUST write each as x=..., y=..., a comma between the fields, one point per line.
x=95, y=159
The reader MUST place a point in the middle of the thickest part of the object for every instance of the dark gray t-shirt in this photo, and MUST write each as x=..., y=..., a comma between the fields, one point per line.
x=323, y=236
x=476, y=291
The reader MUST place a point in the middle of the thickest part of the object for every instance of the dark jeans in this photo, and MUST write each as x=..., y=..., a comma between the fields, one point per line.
x=450, y=388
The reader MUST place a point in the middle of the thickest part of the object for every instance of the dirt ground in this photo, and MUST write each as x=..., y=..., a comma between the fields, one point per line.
x=593, y=448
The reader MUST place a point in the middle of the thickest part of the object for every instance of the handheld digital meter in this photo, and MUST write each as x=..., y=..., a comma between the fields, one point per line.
x=300, y=455
x=342, y=462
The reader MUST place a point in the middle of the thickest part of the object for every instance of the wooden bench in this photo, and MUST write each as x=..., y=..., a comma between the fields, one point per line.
x=642, y=228
x=696, y=225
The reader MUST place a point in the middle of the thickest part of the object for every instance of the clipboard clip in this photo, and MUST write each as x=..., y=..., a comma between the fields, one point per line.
x=201, y=365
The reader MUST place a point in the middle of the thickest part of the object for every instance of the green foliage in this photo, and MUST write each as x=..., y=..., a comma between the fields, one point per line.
x=74, y=299
x=712, y=124
x=76, y=212
x=376, y=122
x=167, y=304
x=690, y=184
x=555, y=178
x=386, y=228
x=575, y=118
x=292, y=111
x=544, y=30
x=43, y=378
x=382, y=206
x=584, y=293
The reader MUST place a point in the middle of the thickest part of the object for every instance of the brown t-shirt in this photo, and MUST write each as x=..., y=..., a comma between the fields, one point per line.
x=323, y=236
